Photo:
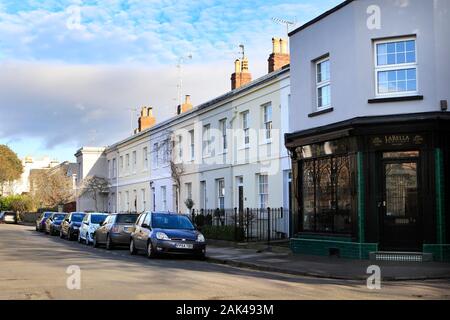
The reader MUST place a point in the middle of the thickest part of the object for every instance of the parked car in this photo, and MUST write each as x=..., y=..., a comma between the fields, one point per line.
x=40, y=222
x=115, y=230
x=10, y=217
x=2, y=214
x=89, y=225
x=158, y=232
x=53, y=223
x=71, y=225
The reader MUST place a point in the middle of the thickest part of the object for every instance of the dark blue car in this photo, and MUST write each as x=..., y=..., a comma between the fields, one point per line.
x=71, y=224
x=157, y=233
x=53, y=223
x=40, y=222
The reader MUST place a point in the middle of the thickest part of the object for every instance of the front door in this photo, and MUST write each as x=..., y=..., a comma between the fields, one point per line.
x=241, y=198
x=400, y=205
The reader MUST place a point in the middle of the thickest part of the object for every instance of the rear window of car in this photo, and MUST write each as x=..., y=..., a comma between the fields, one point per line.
x=47, y=214
x=98, y=218
x=78, y=217
x=59, y=216
x=127, y=218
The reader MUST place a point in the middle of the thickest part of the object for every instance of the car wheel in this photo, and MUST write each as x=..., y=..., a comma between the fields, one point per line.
x=109, y=243
x=79, y=237
x=37, y=228
x=150, y=250
x=95, y=242
x=61, y=234
x=86, y=240
x=133, y=250
x=201, y=256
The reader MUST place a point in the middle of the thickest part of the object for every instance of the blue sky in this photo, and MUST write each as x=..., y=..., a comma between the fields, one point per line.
x=71, y=70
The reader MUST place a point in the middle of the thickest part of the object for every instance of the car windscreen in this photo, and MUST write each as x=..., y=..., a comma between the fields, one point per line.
x=98, y=218
x=169, y=221
x=78, y=217
x=127, y=218
x=58, y=217
x=47, y=214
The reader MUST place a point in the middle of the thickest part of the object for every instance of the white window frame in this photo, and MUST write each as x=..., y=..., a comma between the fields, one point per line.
x=267, y=121
x=144, y=202
x=246, y=128
x=114, y=167
x=206, y=140
x=322, y=84
x=192, y=144
x=188, y=186
x=221, y=193
x=109, y=169
x=164, y=198
x=145, y=158
x=134, y=161
x=155, y=155
x=263, y=195
x=394, y=67
x=223, y=130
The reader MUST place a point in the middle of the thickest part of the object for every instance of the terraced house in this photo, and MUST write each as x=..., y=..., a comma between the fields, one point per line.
x=227, y=153
x=370, y=135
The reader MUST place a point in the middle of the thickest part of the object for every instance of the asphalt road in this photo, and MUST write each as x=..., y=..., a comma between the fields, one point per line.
x=33, y=266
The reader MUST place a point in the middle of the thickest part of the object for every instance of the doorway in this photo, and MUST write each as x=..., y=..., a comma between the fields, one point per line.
x=400, y=204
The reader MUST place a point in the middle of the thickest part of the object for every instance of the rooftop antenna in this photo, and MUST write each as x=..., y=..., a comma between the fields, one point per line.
x=132, y=115
x=242, y=50
x=181, y=60
x=287, y=23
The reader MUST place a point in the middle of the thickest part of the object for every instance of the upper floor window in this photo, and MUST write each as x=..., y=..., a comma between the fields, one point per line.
x=246, y=128
x=267, y=121
x=192, y=144
x=223, y=130
x=109, y=169
x=134, y=159
x=396, y=67
x=206, y=140
x=155, y=155
x=114, y=167
x=145, y=157
x=323, y=85
x=127, y=161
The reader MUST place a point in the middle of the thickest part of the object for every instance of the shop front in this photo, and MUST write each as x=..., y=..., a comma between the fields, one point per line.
x=372, y=184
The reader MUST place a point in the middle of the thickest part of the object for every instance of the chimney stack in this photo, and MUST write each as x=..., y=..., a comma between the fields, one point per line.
x=241, y=75
x=146, y=119
x=186, y=106
x=280, y=56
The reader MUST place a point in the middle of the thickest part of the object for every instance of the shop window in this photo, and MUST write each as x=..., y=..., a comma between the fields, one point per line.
x=327, y=193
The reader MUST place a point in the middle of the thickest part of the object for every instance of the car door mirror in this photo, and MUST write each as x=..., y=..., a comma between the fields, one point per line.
x=144, y=225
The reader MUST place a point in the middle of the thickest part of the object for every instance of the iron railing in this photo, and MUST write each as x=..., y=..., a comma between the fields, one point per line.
x=248, y=224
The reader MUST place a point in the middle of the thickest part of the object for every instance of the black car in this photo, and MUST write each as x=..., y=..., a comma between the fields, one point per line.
x=40, y=222
x=157, y=232
x=115, y=230
x=71, y=225
x=53, y=223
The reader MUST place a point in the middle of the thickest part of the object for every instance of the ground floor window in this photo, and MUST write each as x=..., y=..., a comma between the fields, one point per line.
x=328, y=195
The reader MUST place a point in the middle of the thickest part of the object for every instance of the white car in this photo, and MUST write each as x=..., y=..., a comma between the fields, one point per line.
x=90, y=223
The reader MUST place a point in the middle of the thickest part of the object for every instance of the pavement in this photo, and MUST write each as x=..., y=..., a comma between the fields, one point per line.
x=35, y=266
x=283, y=261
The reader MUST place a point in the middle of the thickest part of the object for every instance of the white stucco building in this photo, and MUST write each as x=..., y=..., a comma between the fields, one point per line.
x=226, y=153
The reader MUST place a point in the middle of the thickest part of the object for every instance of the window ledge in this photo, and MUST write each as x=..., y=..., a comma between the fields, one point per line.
x=395, y=99
x=318, y=113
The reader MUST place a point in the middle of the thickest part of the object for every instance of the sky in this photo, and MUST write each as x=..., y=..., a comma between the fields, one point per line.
x=71, y=72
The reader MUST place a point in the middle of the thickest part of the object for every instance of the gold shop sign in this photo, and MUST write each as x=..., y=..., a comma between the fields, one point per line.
x=397, y=140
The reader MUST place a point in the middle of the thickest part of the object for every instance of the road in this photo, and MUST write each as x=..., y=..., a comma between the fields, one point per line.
x=33, y=266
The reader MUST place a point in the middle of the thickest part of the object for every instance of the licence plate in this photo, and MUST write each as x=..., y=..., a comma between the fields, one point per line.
x=184, y=246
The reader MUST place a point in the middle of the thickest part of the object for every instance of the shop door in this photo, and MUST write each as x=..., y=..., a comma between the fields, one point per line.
x=400, y=205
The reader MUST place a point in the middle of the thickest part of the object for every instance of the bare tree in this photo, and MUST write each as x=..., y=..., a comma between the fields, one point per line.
x=94, y=187
x=51, y=188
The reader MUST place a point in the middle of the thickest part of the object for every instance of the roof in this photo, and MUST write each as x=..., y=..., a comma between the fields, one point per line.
x=323, y=15
x=259, y=81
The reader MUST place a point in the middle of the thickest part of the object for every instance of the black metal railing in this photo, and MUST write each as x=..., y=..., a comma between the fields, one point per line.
x=249, y=224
